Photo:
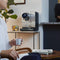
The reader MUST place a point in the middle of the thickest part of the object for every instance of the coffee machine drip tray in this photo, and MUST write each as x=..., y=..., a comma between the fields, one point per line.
x=27, y=29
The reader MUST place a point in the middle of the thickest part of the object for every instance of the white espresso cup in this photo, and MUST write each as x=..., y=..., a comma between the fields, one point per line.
x=18, y=41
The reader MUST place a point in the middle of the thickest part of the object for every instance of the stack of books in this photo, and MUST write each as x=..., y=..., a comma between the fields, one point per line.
x=43, y=51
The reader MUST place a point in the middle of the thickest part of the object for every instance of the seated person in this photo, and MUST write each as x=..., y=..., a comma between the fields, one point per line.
x=4, y=41
x=57, y=11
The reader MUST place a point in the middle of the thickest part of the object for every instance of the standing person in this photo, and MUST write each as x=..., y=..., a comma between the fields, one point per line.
x=4, y=41
x=57, y=11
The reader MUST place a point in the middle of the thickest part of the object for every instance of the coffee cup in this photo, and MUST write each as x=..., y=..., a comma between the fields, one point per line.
x=18, y=41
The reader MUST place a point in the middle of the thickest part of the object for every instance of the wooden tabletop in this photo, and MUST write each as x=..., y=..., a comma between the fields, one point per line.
x=55, y=54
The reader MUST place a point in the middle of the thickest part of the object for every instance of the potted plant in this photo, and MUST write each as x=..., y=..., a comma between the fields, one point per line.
x=8, y=12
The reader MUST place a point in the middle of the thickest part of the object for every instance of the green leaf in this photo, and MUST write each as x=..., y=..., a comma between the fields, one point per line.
x=6, y=10
x=10, y=2
x=13, y=16
x=10, y=11
x=0, y=11
x=5, y=15
x=7, y=5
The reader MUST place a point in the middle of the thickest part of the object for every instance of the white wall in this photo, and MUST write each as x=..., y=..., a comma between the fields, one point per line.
x=45, y=11
x=44, y=18
x=30, y=6
x=40, y=6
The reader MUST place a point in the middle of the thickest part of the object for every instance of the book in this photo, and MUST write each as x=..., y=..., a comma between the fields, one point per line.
x=43, y=51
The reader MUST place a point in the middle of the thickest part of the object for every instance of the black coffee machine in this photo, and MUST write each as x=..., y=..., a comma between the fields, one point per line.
x=31, y=22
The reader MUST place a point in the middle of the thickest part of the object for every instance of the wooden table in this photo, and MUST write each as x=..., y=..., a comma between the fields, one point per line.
x=55, y=54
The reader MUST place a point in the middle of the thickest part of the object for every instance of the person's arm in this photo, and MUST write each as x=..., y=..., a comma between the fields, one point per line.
x=9, y=54
x=4, y=53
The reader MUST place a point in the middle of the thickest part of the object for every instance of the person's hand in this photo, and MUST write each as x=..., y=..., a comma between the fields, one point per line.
x=9, y=53
x=58, y=17
x=13, y=42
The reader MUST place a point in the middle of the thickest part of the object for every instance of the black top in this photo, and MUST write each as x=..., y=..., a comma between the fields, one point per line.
x=57, y=12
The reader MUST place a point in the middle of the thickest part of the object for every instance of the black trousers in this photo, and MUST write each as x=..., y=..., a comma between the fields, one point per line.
x=32, y=56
